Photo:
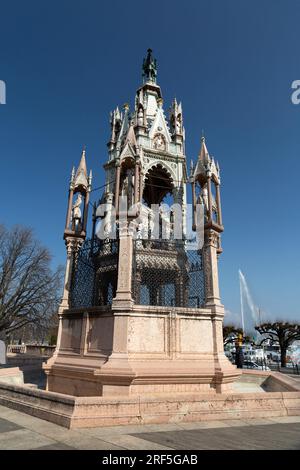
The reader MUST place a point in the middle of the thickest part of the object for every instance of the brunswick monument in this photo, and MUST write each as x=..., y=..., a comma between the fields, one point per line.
x=141, y=312
x=140, y=337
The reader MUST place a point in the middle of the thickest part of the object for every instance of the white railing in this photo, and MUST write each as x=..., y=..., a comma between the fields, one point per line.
x=30, y=349
x=16, y=349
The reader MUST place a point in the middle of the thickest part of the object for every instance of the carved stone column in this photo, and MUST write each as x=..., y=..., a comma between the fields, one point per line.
x=141, y=185
x=136, y=182
x=209, y=194
x=73, y=245
x=117, y=187
x=194, y=204
x=68, y=275
x=123, y=297
x=211, y=275
x=86, y=209
x=218, y=201
x=69, y=210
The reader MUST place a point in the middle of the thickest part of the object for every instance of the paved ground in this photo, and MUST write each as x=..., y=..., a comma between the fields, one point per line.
x=247, y=387
x=21, y=431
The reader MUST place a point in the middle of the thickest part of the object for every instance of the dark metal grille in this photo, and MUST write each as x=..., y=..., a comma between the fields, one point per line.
x=165, y=273
x=94, y=275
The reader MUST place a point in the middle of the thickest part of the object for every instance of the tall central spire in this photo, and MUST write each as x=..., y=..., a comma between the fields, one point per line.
x=149, y=68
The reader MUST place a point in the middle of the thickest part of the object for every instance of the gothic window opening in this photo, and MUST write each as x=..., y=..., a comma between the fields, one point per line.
x=158, y=184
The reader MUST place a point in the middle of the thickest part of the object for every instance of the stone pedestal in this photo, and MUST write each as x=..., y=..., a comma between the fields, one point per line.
x=129, y=350
x=141, y=350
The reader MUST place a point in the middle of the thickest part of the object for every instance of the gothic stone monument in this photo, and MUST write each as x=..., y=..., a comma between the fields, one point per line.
x=142, y=315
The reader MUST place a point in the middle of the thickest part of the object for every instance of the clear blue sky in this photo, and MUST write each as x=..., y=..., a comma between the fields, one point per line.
x=67, y=63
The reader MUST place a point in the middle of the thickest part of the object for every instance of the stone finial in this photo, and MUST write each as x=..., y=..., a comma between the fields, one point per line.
x=149, y=68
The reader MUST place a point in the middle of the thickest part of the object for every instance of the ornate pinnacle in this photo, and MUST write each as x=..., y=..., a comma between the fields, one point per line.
x=72, y=178
x=149, y=68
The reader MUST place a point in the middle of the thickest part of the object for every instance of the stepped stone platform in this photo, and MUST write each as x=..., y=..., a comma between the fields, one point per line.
x=275, y=395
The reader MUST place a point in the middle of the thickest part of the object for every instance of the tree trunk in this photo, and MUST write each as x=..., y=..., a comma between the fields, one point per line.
x=283, y=356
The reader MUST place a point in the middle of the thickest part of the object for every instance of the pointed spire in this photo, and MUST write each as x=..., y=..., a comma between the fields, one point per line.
x=176, y=122
x=203, y=155
x=149, y=68
x=125, y=123
x=206, y=165
x=130, y=137
x=81, y=178
x=113, y=126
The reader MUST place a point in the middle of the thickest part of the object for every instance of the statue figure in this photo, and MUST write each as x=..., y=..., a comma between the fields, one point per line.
x=149, y=67
x=76, y=213
x=128, y=187
x=159, y=142
x=203, y=199
x=140, y=117
x=165, y=223
x=142, y=226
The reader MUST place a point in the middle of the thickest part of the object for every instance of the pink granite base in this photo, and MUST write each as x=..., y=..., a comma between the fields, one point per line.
x=80, y=412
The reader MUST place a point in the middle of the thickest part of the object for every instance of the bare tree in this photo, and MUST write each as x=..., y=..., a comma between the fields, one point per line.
x=38, y=332
x=29, y=289
x=284, y=333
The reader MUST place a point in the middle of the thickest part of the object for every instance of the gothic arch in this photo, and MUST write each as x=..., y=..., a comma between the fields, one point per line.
x=165, y=165
x=158, y=182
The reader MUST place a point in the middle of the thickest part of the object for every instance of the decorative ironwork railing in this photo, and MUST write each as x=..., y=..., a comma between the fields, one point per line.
x=94, y=276
x=166, y=273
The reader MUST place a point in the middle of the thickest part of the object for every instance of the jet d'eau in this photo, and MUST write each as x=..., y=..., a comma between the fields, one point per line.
x=250, y=313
